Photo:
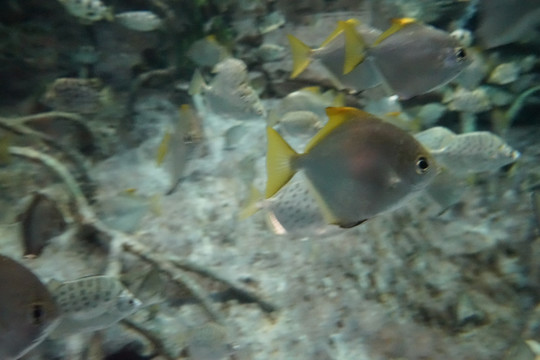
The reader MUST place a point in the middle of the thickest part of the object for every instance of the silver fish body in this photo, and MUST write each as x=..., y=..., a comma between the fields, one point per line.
x=28, y=312
x=418, y=58
x=92, y=303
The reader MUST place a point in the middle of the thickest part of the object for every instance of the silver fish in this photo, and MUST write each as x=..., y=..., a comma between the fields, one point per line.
x=409, y=58
x=88, y=10
x=467, y=153
x=91, y=303
x=229, y=93
x=28, y=312
x=358, y=166
x=418, y=58
x=84, y=96
x=503, y=22
x=139, y=20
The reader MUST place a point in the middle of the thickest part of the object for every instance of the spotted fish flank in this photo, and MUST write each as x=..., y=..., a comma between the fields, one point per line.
x=91, y=303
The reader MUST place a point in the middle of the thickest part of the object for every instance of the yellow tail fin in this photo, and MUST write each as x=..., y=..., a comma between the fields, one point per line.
x=251, y=205
x=301, y=55
x=278, y=162
x=355, y=47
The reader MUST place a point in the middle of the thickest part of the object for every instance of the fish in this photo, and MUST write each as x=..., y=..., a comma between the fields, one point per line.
x=503, y=22
x=207, y=51
x=143, y=20
x=357, y=165
x=229, y=93
x=83, y=96
x=293, y=211
x=208, y=342
x=408, y=59
x=88, y=10
x=296, y=123
x=91, y=303
x=310, y=99
x=468, y=153
x=28, y=312
x=331, y=53
x=40, y=222
x=460, y=156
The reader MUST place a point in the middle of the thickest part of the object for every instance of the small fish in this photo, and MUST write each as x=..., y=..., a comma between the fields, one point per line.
x=208, y=342
x=296, y=123
x=88, y=10
x=28, y=312
x=332, y=55
x=475, y=152
x=139, y=20
x=410, y=58
x=310, y=99
x=91, y=303
x=504, y=22
x=292, y=211
x=40, y=222
x=357, y=165
x=460, y=156
x=229, y=93
x=84, y=96
x=207, y=51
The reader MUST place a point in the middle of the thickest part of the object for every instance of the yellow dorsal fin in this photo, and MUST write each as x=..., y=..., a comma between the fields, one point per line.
x=355, y=47
x=301, y=55
x=278, y=162
x=312, y=89
x=338, y=30
x=251, y=204
x=397, y=24
x=336, y=117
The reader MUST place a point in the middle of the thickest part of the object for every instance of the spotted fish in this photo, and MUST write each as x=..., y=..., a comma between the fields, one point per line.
x=91, y=303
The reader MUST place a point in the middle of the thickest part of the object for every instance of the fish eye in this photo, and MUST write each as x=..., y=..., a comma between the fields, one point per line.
x=460, y=53
x=422, y=165
x=37, y=314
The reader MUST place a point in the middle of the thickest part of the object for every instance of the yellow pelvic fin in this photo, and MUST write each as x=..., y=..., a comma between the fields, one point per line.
x=336, y=117
x=301, y=55
x=355, y=47
x=251, y=204
x=397, y=24
x=197, y=83
x=339, y=100
x=278, y=162
x=163, y=148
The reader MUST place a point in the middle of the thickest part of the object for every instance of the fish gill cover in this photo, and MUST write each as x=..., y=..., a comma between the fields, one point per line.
x=397, y=142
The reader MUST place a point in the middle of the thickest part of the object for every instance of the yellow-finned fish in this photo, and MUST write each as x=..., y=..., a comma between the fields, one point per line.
x=28, y=312
x=357, y=165
x=409, y=58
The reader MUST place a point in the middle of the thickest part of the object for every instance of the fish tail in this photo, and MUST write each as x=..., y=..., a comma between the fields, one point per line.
x=301, y=55
x=355, y=47
x=278, y=162
x=197, y=83
x=251, y=205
